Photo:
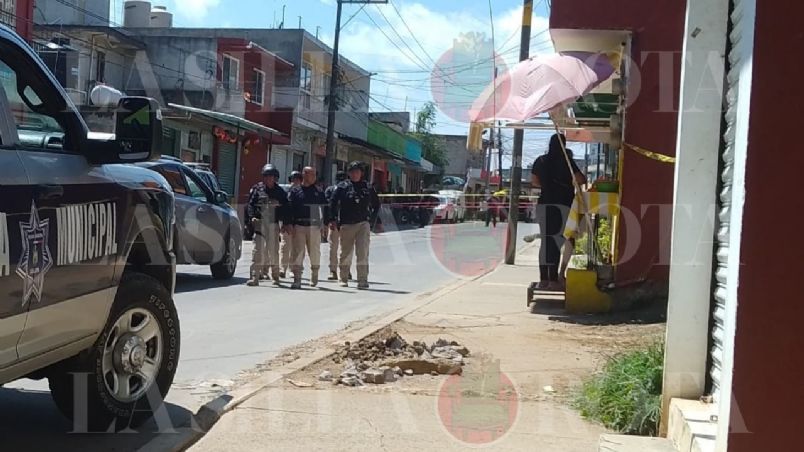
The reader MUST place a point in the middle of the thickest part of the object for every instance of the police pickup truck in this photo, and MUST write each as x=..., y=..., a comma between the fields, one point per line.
x=87, y=269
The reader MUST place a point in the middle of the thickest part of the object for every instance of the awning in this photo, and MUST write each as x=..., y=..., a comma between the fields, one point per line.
x=374, y=149
x=227, y=118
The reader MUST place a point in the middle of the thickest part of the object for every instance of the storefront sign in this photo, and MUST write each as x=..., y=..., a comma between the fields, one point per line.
x=342, y=154
x=224, y=135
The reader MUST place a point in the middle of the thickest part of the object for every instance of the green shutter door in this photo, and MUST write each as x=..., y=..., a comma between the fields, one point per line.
x=227, y=166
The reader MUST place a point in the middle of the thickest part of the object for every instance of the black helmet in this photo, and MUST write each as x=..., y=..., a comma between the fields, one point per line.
x=270, y=170
x=294, y=175
x=341, y=176
x=356, y=165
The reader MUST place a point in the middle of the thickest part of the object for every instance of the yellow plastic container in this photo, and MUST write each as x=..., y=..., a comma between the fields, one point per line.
x=582, y=295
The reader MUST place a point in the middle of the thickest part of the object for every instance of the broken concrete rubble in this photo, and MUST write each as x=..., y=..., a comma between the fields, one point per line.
x=374, y=376
x=384, y=357
x=421, y=367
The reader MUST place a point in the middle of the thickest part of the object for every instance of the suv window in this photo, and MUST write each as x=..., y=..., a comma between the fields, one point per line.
x=36, y=128
x=194, y=189
x=174, y=178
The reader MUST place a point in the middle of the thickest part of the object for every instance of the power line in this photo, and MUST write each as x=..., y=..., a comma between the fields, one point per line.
x=353, y=16
x=413, y=35
x=416, y=63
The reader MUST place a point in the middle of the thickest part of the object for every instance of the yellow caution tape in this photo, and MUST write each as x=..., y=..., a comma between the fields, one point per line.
x=650, y=154
x=467, y=195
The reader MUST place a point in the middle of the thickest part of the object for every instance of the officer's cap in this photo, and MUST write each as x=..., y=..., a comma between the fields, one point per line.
x=295, y=175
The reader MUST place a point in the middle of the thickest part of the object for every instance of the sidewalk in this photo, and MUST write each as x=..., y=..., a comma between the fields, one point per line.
x=543, y=353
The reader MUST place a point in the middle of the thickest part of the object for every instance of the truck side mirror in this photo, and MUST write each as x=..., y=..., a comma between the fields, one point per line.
x=221, y=197
x=138, y=129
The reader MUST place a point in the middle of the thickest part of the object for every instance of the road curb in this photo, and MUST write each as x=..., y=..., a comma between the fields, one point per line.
x=211, y=412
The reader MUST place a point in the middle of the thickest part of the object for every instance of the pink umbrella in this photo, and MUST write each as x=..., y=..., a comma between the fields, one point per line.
x=540, y=84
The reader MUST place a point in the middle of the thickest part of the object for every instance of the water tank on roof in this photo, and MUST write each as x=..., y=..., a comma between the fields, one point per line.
x=137, y=14
x=161, y=17
x=105, y=96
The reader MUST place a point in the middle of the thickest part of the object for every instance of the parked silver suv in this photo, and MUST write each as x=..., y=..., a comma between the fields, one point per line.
x=87, y=269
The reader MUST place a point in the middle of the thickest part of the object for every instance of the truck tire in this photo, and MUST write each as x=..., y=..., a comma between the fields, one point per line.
x=225, y=269
x=139, y=346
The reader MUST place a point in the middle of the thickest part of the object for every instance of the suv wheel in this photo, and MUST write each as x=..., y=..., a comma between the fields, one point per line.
x=125, y=376
x=225, y=269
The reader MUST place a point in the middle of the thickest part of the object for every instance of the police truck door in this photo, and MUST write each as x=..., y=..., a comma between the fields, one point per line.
x=15, y=208
x=70, y=225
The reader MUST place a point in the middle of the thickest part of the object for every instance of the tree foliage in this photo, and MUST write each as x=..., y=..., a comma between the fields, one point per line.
x=432, y=149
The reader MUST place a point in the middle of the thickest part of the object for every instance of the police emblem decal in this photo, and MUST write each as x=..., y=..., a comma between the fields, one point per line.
x=35, y=260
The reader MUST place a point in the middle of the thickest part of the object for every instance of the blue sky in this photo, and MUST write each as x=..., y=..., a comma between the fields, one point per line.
x=402, y=66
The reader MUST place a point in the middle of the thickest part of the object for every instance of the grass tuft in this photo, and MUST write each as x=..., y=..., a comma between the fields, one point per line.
x=626, y=395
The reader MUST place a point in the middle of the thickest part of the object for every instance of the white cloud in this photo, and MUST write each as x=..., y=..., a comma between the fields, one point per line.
x=328, y=2
x=195, y=10
x=404, y=70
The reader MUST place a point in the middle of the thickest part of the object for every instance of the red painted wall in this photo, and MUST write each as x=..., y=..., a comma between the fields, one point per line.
x=253, y=157
x=651, y=120
x=255, y=153
x=768, y=397
x=25, y=14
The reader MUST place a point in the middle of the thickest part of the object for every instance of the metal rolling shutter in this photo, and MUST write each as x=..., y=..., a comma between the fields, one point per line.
x=721, y=302
x=227, y=165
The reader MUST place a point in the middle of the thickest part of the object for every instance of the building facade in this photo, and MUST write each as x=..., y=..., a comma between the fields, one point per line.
x=648, y=36
x=303, y=90
x=18, y=15
x=459, y=159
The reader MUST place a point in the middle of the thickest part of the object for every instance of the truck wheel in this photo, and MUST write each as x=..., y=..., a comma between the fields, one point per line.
x=225, y=269
x=125, y=376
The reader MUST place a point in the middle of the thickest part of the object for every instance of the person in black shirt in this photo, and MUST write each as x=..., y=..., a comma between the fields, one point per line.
x=551, y=173
x=267, y=208
x=353, y=207
x=334, y=234
x=307, y=211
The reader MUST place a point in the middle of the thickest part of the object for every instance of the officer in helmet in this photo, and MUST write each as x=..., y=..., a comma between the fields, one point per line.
x=334, y=235
x=268, y=209
x=286, y=247
x=353, y=208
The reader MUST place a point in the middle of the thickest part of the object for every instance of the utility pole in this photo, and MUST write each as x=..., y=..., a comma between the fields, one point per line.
x=332, y=101
x=519, y=139
x=499, y=154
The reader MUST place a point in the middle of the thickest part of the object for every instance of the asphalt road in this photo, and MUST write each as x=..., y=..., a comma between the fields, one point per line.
x=229, y=328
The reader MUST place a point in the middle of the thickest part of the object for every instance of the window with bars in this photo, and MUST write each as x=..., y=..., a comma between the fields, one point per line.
x=8, y=13
x=258, y=89
x=230, y=74
x=100, y=68
x=306, y=84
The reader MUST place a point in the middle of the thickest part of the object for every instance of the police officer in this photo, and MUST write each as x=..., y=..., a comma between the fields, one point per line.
x=267, y=207
x=353, y=208
x=286, y=249
x=307, y=209
x=334, y=234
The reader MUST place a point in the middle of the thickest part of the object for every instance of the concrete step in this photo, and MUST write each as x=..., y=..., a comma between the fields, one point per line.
x=628, y=443
x=692, y=426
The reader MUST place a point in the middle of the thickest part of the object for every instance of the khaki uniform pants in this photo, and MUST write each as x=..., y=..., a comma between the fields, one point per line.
x=306, y=238
x=355, y=239
x=285, y=251
x=266, y=250
x=334, y=243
